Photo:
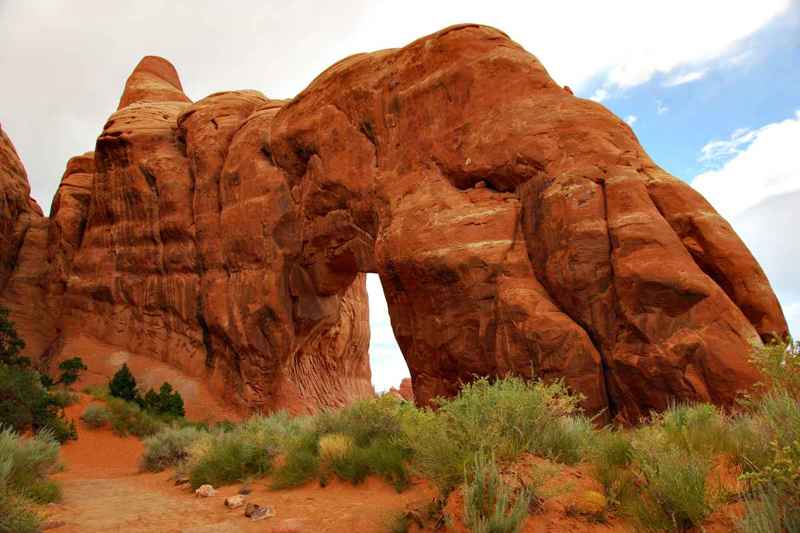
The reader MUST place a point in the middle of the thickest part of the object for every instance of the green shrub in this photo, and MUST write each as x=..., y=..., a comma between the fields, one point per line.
x=672, y=493
x=381, y=457
x=566, y=439
x=611, y=457
x=248, y=450
x=129, y=419
x=62, y=397
x=16, y=515
x=123, y=385
x=232, y=457
x=697, y=429
x=388, y=460
x=168, y=447
x=70, y=370
x=490, y=506
x=166, y=402
x=399, y=523
x=301, y=462
x=25, y=464
x=364, y=420
x=96, y=416
x=11, y=345
x=26, y=405
x=769, y=510
x=779, y=362
x=97, y=392
x=504, y=418
x=334, y=446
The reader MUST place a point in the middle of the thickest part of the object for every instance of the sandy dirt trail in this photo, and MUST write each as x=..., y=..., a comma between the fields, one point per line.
x=105, y=491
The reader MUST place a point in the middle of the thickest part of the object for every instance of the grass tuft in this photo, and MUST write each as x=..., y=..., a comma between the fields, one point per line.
x=490, y=506
x=169, y=447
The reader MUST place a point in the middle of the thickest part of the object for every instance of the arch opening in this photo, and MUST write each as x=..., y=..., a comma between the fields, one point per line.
x=386, y=361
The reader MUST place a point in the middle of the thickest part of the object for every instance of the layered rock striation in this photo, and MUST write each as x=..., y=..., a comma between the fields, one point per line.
x=516, y=229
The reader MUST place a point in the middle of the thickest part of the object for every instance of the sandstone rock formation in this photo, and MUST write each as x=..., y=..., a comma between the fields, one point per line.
x=404, y=392
x=516, y=229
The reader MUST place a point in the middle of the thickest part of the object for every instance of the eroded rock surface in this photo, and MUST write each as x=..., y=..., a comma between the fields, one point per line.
x=515, y=227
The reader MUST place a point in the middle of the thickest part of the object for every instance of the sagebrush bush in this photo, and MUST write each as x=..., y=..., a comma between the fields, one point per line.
x=672, y=493
x=611, y=457
x=363, y=420
x=168, y=447
x=247, y=450
x=697, y=429
x=96, y=416
x=232, y=457
x=300, y=463
x=62, y=397
x=767, y=443
x=16, y=515
x=334, y=447
x=351, y=443
x=779, y=362
x=490, y=506
x=769, y=510
x=505, y=418
x=566, y=440
x=127, y=418
x=26, y=463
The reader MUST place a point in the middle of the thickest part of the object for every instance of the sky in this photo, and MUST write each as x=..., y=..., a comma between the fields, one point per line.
x=710, y=87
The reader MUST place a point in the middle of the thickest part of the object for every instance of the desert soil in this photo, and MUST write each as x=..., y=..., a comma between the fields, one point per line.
x=104, y=490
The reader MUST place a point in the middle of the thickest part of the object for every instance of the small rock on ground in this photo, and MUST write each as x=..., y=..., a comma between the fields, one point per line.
x=253, y=511
x=234, y=502
x=205, y=491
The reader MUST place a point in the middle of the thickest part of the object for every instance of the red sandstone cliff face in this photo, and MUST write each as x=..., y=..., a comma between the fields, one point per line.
x=516, y=229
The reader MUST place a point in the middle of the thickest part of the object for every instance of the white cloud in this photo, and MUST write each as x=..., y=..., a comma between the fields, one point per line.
x=763, y=163
x=723, y=150
x=683, y=79
x=661, y=108
x=792, y=313
x=599, y=95
x=764, y=229
x=758, y=191
x=740, y=59
x=385, y=358
x=65, y=77
x=631, y=119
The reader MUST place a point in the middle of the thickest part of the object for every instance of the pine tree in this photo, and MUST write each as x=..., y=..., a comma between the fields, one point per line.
x=123, y=385
x=10, y=343
x=71, y=370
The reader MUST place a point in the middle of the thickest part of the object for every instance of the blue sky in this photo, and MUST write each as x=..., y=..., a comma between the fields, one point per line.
x=711, y=87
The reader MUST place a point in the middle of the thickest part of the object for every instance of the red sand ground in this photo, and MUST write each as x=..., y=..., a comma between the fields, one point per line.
x=104, y=491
